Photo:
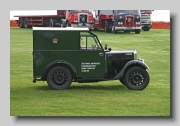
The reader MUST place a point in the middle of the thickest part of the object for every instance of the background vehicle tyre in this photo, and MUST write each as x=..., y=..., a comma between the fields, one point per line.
x=68, y=24
x=26, y=23
x=21, y=23
x=63, y=24
x=137, y=31
x=51, y=22
x=59, y=78
x=146, y=29
x=113, y=30
x=106, y=28
x=136, y=78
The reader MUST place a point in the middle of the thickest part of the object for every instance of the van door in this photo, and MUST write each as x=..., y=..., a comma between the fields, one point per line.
x=91, y=58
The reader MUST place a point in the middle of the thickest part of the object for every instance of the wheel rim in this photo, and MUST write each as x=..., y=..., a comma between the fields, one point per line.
x=136, y=78
x=59, y=78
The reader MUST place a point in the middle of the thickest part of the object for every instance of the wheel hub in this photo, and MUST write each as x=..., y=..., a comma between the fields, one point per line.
x=136, y=78
x=59, y=77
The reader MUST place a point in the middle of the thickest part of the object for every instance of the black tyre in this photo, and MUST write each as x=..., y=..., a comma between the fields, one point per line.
x=21, y=23
x=136, y=78
x=122, y=81
x=146, y=29
x=137, y=31
x=63, y=24
x=68, y=24
x=113, y=30
x=59, y=78
x=51, y=22
x=106, y=28
x=26, y=23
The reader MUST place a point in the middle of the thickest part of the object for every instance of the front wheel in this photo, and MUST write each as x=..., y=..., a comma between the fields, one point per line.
x=137, y=31
x=146, y=29
x=122, y=81
x=59, y=78
x=136, y=78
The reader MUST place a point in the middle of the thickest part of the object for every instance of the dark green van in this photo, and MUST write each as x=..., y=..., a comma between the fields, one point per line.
x=65, y=55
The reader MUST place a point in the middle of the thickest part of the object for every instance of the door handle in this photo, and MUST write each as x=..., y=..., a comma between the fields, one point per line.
x=101, y=54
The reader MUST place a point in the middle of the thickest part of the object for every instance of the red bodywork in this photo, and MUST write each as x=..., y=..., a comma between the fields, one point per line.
x=129, y=20
x=73, y=17
x=39, y=20
x=100, y=23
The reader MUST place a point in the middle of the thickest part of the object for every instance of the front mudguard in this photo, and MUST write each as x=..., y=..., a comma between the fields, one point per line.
x=138, y=62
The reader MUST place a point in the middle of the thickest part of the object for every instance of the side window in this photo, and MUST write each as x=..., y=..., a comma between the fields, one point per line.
x=89, y=42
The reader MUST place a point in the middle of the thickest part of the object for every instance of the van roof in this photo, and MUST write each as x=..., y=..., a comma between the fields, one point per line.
x=61, y=29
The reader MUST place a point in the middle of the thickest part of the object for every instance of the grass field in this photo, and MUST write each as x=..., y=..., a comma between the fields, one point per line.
x=109, y=98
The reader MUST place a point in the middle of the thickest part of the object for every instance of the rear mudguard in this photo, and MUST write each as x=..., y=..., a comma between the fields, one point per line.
x=59, y=62
x=131, y=63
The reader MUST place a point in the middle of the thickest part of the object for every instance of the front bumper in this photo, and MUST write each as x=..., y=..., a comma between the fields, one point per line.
x=146, y=25
x=90, y=26
x=127, y=28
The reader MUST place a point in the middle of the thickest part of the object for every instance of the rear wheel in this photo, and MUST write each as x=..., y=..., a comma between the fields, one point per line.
x=59, y=78
x=136, y=78
x=21, y=23
x=51, y=22
x=26, y=23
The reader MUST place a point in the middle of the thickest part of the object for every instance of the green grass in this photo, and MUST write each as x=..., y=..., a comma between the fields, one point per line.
x=109, y=98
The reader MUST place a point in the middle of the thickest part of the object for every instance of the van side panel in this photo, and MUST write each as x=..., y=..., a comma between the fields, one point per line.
x=49, y=46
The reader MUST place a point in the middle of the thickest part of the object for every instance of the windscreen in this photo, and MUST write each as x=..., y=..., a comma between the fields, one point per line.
x=72, y=11
x=137, y=12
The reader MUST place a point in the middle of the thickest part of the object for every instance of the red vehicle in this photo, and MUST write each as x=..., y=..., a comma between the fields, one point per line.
x=63, y=18
x=104, y=19
x=118, y=20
